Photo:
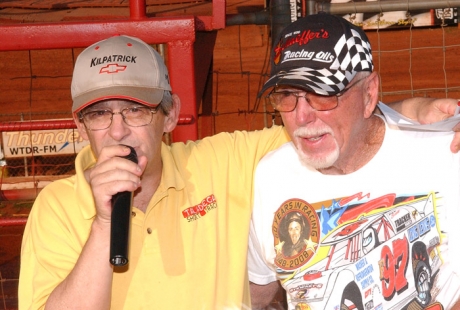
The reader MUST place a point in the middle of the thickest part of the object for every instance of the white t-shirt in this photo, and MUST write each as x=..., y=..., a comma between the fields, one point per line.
x=373, y=239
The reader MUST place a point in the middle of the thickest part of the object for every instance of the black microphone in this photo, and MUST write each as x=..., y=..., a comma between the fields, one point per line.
x=121, y=219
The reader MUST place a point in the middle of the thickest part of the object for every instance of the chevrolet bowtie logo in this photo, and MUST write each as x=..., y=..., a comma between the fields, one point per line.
x=112, y=68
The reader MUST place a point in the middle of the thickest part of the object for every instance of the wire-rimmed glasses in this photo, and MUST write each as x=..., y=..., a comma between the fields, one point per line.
x=286, y=100
x=135, y=116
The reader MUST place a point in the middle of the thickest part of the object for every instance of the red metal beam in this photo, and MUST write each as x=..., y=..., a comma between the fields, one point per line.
x=176, y=32
x=182, y=71
x=218, y=14
x=37, y=125
x=137, y=9
x=16, y=37
x=63, y=124
x=13, y=221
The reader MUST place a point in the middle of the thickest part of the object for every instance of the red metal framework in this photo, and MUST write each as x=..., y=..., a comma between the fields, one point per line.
x=178, y=33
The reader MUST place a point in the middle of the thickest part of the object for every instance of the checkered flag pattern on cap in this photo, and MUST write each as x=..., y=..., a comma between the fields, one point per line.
x=322, y=82
x=319, y=53
x=354, y=53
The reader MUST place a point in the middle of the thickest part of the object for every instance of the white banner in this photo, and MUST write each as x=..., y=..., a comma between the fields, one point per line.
x=42, y=142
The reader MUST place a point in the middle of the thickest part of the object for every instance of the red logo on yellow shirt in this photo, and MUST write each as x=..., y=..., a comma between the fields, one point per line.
x=196, y=212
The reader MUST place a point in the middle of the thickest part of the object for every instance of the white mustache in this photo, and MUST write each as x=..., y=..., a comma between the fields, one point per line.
x=306, y=132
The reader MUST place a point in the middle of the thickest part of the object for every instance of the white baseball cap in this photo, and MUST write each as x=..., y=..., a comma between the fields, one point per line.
x=120, y=67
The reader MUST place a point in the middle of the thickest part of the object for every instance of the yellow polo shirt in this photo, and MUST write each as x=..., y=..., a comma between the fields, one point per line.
x=188, y=251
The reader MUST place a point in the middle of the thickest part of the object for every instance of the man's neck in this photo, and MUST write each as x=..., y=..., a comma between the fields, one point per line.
x=363, y=149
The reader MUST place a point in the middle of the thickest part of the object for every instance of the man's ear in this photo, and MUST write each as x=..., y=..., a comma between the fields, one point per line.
x=173, y=117
x=80, y=127
x=371, y=93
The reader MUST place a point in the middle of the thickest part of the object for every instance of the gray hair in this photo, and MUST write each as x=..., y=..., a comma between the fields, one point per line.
x=166, y=103
x=361, y=75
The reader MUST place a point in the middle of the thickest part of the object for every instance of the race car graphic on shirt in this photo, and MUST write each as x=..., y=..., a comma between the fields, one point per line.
x=381, y=254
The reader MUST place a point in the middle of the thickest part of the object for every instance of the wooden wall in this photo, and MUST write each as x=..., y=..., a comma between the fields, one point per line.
x=422, y=59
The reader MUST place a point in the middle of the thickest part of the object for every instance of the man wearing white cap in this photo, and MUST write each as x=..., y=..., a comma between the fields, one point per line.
x=191, y=205
x=381, y=206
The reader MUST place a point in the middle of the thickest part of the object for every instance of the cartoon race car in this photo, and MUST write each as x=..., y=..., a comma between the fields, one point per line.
x=386, y=259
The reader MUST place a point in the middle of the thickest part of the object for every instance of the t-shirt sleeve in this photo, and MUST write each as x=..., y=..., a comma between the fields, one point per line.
x=259, y=272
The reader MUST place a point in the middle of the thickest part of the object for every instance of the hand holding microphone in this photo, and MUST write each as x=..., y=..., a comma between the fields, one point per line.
x=120, y=222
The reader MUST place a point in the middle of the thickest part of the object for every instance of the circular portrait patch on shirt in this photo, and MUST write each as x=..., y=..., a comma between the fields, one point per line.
x=296, y=230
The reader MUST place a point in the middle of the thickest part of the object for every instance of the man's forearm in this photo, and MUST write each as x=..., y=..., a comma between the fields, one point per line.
x=410, y=107
x=89, y=284
x=425, y=110
x=263, y=295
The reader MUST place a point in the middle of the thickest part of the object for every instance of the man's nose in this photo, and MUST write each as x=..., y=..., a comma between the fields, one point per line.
x=304, y=112
x=119, y=129
x=120, y=119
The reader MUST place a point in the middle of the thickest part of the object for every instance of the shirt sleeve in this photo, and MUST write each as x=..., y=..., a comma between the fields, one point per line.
x=259, y=272
x=54, y=236
x=260, y=246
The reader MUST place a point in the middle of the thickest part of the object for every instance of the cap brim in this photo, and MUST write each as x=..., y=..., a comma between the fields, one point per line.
x=147, y=96
x=325, y=82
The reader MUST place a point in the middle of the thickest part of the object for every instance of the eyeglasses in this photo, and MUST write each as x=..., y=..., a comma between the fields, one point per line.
x=133, y=116
x=286, y=100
